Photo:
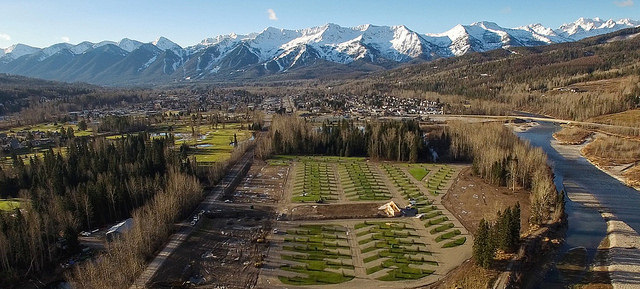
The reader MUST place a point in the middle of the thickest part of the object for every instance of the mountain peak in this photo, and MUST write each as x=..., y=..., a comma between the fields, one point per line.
x=129, y=44
x=165, y=44
x=17, y=50
x=587, y=27
x=486, y=25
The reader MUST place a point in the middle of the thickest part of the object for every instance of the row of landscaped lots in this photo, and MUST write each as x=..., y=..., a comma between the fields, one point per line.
x=315, y=179
x=315, y=182
x=393, y=251
x=320, y=254
x=438, y=225
x=362, y=183
x=437, y=181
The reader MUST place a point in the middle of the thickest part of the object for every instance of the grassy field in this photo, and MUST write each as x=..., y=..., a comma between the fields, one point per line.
x=50, y=127
x=26, y=154
x=321, y=255
x=9, y=204
x=207, y=144
x=396, y=249
x=629, y=118
x=361, y=183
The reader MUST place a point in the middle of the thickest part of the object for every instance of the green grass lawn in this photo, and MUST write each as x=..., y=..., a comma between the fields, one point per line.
x=208, y=145
x=45, y=127
x=212, y=145
x=9, y=204
x=455, y=243
x=418, y=172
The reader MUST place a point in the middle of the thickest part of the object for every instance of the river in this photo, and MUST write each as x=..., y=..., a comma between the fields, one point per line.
x=586, y=187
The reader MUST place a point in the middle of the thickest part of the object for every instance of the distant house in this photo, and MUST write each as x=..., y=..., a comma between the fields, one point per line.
x=118, y=229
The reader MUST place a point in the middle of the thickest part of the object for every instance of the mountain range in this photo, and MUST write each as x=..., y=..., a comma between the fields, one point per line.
x=280, y=51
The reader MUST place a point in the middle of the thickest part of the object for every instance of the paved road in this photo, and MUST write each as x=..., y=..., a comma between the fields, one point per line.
x=236, y=172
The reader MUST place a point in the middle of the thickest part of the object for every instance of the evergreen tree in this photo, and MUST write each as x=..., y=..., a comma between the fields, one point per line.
x=482, y=246
x=515, y=224
x=82, y=125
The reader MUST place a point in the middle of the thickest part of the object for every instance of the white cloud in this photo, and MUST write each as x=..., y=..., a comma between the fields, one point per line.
x=272, y=14
x=65, y=38
x=506, y=10
x=625, y=3
x=4, y=36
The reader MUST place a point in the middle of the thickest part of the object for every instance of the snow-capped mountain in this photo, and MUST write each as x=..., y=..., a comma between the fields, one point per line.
x=584, y=27
x=16, y=51
x=276, y=50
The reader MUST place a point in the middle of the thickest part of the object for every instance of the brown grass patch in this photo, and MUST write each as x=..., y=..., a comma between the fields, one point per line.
x=467, y=275
x=632, y=176
x=471, y=199
x=572, y=135
x=629, y=118
x=612, y=150
x=605, y=85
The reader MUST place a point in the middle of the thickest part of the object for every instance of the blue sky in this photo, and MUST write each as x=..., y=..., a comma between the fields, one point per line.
x=44, y=22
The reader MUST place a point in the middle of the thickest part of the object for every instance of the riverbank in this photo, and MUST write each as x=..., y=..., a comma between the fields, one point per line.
x=575, y=151
x=623, y=246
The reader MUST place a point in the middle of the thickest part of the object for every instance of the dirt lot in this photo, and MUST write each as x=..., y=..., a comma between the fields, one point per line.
x=470, y=199
x=336, y=211
x=263, y=184
x=222, y=253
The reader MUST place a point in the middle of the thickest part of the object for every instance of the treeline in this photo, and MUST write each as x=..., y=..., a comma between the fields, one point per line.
x=388, y=140
x=501, y=158
x=153, y=224
x=122, y=124
x=503, y=234
x=93, y=183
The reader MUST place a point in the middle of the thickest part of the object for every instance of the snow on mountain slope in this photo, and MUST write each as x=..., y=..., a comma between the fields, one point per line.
x=53, y=49
x=17, y=50
x=585, y=27
x=103, y=43
x=485, y=36
x=129, y=45
x=277, y=50
x=166, y=44
x=81, y=47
